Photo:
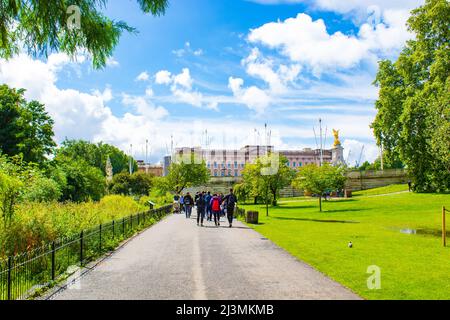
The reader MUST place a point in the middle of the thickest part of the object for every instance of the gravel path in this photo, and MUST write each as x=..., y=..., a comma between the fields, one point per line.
x=175, y=259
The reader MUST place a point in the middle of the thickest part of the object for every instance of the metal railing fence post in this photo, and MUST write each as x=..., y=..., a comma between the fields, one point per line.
x=53, y=260
x=9, y=277
x=81, y=248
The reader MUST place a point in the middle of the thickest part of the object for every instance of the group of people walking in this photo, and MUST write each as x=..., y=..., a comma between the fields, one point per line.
x=209, y=206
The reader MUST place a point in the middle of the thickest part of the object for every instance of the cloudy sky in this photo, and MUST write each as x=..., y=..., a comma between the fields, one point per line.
x=228, y=67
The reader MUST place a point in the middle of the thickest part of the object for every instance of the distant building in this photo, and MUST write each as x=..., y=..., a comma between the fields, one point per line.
x=156, y=170
x=166, y=164
x=230, y=163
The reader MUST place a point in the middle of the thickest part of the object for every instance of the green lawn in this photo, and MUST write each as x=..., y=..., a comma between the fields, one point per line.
x=413, y=266
x=383, y=190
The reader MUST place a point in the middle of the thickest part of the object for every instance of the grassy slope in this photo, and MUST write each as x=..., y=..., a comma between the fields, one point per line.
x=412, y=266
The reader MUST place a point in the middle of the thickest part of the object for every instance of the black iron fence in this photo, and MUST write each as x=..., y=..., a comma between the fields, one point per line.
x=24, y=274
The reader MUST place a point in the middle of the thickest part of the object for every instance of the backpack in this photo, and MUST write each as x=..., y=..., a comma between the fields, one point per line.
x=208, y=199
x=231, y=201
x=187, y=200
x=215, y=204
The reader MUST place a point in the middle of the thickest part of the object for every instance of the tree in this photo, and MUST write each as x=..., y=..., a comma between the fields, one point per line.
x=96, y=155
x=138, y=183
x=268, y=176
x=242, y=191
x=413, y=120
x=318, y=180
x=66, y=26
x=10, y=189
x=25, y=128
x=185, y=174
x=84, y=182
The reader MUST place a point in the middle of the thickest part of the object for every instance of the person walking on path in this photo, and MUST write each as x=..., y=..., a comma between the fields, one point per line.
x=188, y=203
x=215, y=208
x=230, y=201
x=176, y=204
x=222, y=209
x=182, y=203
x=208, y=206
x=201, y=204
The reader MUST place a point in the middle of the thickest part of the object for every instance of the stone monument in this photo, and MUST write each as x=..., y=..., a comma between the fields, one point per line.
x=109, y=170
x=337, y=157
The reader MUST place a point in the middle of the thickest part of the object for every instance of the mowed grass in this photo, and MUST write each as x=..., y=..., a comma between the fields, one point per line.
x=413, y=266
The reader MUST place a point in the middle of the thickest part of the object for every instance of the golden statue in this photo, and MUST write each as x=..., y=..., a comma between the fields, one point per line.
x=337, y=142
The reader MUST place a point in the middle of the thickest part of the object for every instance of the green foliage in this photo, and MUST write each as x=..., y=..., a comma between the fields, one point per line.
x=265, y=178
x=25, y=128
x=96, y=155
x=37, y=223
x=413, y=120
x=10, y=188
x=41, y=189
x=41, y=27
x=242, y=191
x=84, y=182
x=157, y=197
x=413, y=266
x=139, y=184
x=318, y=180
x=184, y=175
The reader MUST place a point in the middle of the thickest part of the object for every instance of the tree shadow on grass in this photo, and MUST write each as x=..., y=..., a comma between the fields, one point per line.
x=345, y=210
x=315, y=220
x=296, y=207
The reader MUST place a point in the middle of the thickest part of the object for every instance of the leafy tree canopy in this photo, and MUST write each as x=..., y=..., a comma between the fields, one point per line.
x=413, y=120
x=185, y=174
x=318, y=180
x=138, y=183
x=65, y=26
x=25, y=127
x=84, y=182
x=96, y=155
x=267, y=176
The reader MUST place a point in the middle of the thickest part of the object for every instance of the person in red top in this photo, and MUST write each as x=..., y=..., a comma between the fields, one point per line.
x=215, y=208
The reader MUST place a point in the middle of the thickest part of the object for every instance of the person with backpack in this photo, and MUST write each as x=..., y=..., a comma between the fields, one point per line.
x=222, y=208
x=188, y=203
x=201, y=204
x=215, y=208
x=208, y=206
x=230, y=202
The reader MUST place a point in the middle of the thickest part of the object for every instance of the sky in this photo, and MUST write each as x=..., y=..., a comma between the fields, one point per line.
x=225, y=67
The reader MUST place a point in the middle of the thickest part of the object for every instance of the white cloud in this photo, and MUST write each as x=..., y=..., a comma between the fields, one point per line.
x=143, y=76
x=357, y=152
x=149, y=92
x=144, y=107
x=187, y=50
x=258, y=66
x=106, y=95
x=308, y=42
x=362, y=5
x=77, y=115
x=181, y=89
x=112, y=62
x=346, y=6
x=163, y=77
x=183, y=79
x=253, y=97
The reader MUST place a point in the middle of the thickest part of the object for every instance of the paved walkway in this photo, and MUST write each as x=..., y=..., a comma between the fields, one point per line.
x=175, y=259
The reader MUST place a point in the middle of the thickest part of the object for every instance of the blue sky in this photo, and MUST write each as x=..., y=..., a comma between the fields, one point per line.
x=228, y=67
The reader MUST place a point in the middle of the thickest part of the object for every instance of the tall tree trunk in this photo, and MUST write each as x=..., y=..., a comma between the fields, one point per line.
x=320, y=203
